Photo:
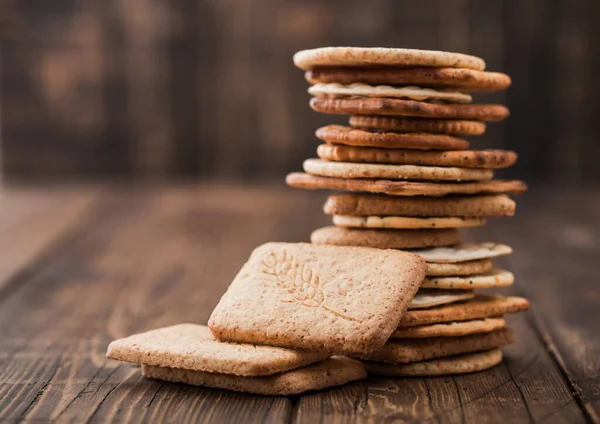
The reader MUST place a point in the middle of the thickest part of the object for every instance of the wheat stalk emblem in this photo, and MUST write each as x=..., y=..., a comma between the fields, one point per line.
x=298, y=280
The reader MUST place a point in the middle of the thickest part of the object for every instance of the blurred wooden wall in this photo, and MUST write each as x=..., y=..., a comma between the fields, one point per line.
x=207, y=88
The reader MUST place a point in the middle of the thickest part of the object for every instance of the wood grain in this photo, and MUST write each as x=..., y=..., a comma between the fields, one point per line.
x=144, y=257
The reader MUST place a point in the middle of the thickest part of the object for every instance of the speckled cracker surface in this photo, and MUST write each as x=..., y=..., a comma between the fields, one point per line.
x=426, y=298
x=315, y=297
x=193, y=347
x=450, y=329
x=329, y=373
x=400, y=351
x=464, y=252
x=478, y=266
x=459, y=364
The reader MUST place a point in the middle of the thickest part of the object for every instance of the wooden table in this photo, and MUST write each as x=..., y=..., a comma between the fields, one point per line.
x=82, y=266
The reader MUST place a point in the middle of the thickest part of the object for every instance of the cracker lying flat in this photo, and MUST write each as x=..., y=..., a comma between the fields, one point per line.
x=444, y=126
x=400, y=107
x=405, y=222
x=369, y=56
x=394, y=172
x=431, y=298
x=450, y=329
x=376, y=204
x=404, y=188
x=400, y=351
x=193, y=347
x=479, y=266
x=464, y=252
x=461, y=79
x=480, y=306
x=307, y=296
x=489, y=159
x=384, y=239
x=495, y=278
x=329, y=373
x=459, y=364
x=335, y=90
x=339, y=134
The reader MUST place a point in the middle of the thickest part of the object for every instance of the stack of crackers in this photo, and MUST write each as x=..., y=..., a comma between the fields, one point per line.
x=389, y=289
x=410, y=181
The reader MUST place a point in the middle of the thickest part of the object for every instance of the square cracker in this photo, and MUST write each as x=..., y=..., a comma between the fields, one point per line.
x=332, y=298
x=329, y=373
x=401, y=351
x=193, y=347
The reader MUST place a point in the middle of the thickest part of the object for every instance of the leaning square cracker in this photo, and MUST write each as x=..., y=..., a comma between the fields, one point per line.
x=329, y=373
x=314, y=297
x=193, y=347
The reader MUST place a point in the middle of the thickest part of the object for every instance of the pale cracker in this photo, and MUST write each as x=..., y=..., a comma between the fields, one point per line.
x=494, y=278
x=400, y=351
x=480, y=306
x=384, y=238
x=405, y=222
x=450, y=329
x=394, y=172
x=425, y=299
x=464, y=252
x=193, y=347
x=369, y=56
x=452, y=365
x=321, y=375
x=479, y=266
x=335, y=90
x=312, y=297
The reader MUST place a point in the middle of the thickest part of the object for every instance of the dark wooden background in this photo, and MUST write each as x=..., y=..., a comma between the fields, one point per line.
x=207, y=88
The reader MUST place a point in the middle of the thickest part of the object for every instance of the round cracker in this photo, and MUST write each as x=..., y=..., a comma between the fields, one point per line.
x=464, y=252
x=339, y=134
x=404, y=188
x=405, y=222
x=340, y=91
x=461, y=79
x=444, y=126
x=394, y=172
x=425, y=299
x=487, y=159
x=451, y=365
x=355, y=204
x=384, y=239
x=480, y=266
x=400, y=107
x=369, y=56
x=450, y=329
x=495, y=278
x=480, y=306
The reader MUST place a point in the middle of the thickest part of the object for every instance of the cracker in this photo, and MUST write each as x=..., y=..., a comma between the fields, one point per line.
x=480, y=306
x=404, y=188
x=450, y=329
x=339, y=134
x=312, y=297
x=369, y=56
x=495, y=278
x=463, y=206
x=329, y=373
x=464, y=252
x=394, y=172
x=404, y=222
x=413, y=108
x=452, y=365
x=193, y=347
x=489, y=159
x=479, y=266
x=461, y=79
x=338, y=91
x=443, y=126
x=401, y=351
x=425, y=299
x=384, y=238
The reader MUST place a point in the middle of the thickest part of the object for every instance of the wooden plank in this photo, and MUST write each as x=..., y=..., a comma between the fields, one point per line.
x=31, y=220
